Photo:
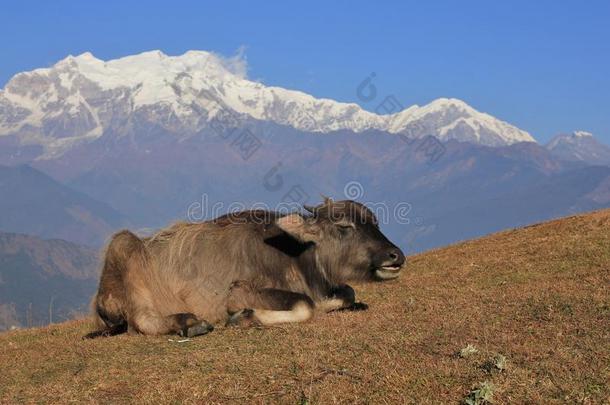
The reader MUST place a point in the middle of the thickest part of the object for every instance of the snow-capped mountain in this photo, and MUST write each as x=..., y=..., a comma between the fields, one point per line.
x=579, y=146
x=83, y=98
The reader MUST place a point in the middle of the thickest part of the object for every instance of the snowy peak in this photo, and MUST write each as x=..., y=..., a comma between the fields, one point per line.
x=580, y=146
x=450, y=118
x=582, y=134
x=82, y=98
x=573, y=138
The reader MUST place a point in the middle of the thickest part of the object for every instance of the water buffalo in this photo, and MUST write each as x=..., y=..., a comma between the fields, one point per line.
x=250, y=267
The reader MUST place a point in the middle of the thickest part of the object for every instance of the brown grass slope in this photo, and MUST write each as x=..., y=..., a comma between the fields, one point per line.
x=538, y=296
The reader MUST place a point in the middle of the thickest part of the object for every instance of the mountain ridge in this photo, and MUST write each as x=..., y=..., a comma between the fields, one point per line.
x=82, y=98
x=579, y=146
x=37, y=204
x=43, y=280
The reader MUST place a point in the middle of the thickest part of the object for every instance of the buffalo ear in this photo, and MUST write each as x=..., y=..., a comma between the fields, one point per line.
x=297, y=227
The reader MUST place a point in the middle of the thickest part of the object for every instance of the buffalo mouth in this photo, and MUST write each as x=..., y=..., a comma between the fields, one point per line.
x=387, y=272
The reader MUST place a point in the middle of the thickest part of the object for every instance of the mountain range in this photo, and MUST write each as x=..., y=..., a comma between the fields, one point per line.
x=138, y=140
x=81, y=99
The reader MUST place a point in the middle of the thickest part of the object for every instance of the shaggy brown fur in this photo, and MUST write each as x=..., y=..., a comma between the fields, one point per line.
x=252, y=266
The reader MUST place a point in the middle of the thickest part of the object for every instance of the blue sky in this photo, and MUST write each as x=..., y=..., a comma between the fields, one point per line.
x=541, y=65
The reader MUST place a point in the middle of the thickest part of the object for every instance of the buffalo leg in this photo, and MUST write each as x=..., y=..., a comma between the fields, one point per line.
x=341, y=298
x=267, y=306
x=143, y=315
x=183, y=324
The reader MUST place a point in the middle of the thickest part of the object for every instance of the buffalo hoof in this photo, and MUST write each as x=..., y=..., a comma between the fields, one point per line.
x=244, y=317
x=199, y=329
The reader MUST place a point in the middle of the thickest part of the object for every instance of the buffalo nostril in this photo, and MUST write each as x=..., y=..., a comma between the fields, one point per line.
x=396, y=256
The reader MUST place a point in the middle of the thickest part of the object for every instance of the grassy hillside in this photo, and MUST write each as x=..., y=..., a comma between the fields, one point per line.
x=537, y=296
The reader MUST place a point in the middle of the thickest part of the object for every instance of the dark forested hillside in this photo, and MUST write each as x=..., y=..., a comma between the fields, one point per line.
x=43, y=281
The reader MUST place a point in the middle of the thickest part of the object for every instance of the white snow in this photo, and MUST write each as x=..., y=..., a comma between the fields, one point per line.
x=153, y=78
x=573, y=139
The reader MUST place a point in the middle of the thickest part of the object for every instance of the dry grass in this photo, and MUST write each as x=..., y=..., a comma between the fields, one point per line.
x=538, y=296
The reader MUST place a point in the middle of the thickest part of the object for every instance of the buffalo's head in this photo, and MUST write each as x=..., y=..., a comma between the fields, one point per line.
x=349, y=243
